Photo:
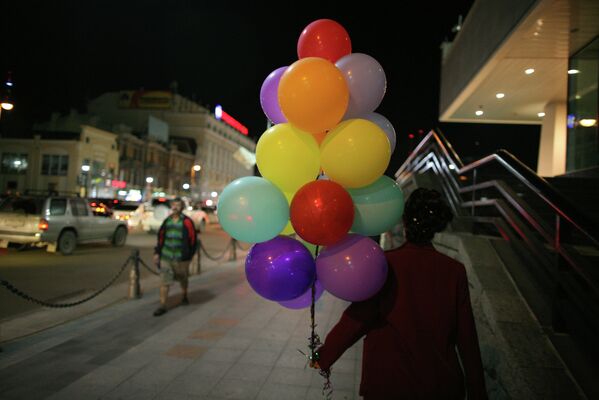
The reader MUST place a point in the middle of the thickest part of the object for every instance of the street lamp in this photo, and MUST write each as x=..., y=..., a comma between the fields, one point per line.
x=85, y=172
x=6, y=105
x=194, y=184
x=186, y=186
x=6, y=102
x=149, y=181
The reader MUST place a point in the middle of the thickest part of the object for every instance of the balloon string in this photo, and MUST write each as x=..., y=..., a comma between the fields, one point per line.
x=313, y=336
x=327, y=387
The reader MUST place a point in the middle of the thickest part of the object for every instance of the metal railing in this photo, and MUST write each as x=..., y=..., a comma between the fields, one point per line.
x=500, y=190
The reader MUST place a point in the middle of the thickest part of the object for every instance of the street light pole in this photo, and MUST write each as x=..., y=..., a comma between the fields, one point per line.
x=195, y=190
x=149, y=181
x=85, y=171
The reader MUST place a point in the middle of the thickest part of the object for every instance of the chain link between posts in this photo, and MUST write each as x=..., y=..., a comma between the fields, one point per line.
x=220, y=256
x=11, y=288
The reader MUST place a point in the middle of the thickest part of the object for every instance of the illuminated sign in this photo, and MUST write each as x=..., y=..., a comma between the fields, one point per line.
x=159, y=99
x=222, y=115
x=118, y=184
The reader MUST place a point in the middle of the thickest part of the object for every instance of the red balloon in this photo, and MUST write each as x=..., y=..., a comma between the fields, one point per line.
x=324, y=38
x=322, y=212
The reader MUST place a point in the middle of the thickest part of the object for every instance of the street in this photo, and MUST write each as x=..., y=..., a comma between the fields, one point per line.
x=52, y=277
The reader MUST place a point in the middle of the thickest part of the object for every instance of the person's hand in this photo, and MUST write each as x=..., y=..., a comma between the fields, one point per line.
x=314, y=364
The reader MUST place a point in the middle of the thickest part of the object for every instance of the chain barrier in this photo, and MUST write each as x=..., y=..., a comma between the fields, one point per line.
x=217, y=258
x=11, y=288
x=242, y=248
x=148, y=267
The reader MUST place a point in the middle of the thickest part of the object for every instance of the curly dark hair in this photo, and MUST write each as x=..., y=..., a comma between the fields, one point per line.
x=425, y=214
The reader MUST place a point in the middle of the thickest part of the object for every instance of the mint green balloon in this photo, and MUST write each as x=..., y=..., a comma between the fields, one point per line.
x=251, y=209
x=378, y=206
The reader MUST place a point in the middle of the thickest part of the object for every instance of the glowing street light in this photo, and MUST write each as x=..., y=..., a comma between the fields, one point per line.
x=85, y=168
x=186, y=186
x=149, y=179
x=197, y=167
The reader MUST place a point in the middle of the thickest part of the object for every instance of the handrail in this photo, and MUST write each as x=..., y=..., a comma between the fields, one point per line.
x=538, y=185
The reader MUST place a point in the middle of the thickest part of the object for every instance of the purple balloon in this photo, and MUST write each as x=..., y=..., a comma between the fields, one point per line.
x=305, y=300
x=353, y=269
x=385, y=125
x=280, y=269
x=268, y=96
x=366, y=81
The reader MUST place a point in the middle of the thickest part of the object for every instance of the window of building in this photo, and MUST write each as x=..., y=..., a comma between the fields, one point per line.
x=55, y=165
x=14, y=163
x=583, y=109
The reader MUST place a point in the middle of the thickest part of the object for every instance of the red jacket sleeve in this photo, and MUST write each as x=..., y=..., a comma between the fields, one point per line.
x=355, y=322
x=191, y=233
x=467, y=342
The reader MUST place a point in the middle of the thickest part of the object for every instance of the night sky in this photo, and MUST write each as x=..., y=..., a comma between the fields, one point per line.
x=65, y=53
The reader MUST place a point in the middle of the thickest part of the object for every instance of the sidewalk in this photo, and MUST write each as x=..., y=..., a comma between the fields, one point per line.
x=228, y=344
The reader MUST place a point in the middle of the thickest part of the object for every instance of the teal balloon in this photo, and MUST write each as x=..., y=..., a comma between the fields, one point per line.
x=378, y=206
x=251, y=209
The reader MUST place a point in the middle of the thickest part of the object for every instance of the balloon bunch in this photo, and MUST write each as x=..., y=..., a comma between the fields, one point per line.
x=322, y=165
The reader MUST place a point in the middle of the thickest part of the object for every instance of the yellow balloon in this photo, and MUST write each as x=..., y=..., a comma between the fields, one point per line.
x=355, y=153
x=313, y=94
x=288, y=230
x=288, y=157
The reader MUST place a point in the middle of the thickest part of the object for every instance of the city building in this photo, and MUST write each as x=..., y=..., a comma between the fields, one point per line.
x=83, y=162
x=529, y=62
x=222, y=152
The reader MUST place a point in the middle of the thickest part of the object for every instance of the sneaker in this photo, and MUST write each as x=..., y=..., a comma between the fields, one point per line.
x=184, y=301
x=159, y=311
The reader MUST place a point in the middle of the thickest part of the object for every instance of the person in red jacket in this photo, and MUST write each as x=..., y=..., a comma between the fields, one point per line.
x=421, y=340
x=177, y=243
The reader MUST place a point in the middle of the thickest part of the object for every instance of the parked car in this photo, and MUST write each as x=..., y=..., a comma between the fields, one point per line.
x=56, y=222
x=100, y=209
x=156, y=211
x=128, y=212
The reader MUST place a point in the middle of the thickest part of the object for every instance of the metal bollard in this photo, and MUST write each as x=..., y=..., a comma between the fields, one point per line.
x=233, y=253
x=134, y=287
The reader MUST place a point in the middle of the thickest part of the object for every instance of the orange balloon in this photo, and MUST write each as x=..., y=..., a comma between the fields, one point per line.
x=313, y=94
x=320, y=136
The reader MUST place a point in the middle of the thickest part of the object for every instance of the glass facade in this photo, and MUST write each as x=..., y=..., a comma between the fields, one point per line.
x=583, y=110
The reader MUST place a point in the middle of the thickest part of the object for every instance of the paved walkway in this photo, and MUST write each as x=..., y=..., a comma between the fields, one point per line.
x=228, y=344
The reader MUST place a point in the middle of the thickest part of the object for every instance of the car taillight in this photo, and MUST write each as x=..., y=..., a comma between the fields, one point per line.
x=43, y=225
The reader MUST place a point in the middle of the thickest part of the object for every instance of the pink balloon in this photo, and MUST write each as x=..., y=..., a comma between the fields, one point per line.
x=385, y=125
x=353, y=269
x=367, y=83
x=268, y=96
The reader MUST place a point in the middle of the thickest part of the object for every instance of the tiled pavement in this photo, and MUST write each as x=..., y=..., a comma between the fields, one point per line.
x=228, y=344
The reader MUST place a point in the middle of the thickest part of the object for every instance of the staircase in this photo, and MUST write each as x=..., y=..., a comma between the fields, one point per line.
x=545, y=234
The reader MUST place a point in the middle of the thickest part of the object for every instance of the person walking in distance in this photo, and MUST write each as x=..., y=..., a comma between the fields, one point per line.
x=421, y=340
x=177, y=243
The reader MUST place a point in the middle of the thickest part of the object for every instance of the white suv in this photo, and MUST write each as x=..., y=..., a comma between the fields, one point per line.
x=155, y=212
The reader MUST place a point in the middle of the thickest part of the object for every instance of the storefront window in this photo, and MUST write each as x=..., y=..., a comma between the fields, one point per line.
x=14, y=163
x=583, y=100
